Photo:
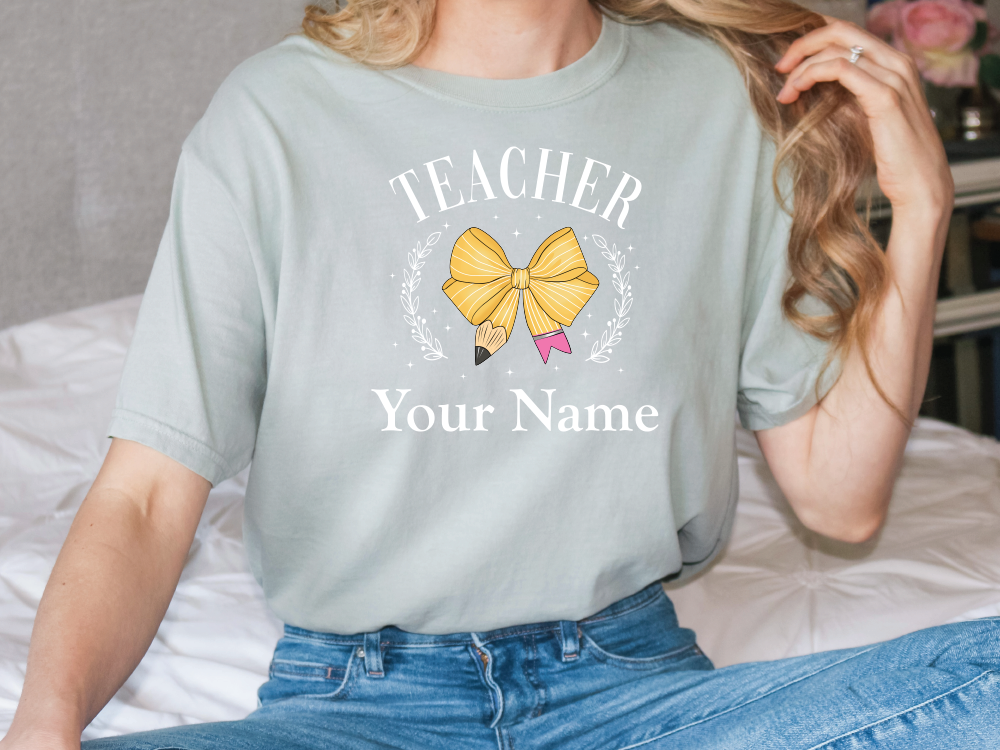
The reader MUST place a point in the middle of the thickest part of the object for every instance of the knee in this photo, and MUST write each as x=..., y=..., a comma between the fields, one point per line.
x=975, y=643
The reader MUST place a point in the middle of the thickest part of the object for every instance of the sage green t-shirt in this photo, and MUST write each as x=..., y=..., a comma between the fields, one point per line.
x=345, y=245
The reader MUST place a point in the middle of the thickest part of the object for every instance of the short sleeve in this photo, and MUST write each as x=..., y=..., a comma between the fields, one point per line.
x=195, y=372
x=779, y=363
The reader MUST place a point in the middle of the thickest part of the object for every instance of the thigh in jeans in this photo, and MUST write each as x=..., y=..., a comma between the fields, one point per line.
x=297, y=712
x=935, y=689
x=320, y=696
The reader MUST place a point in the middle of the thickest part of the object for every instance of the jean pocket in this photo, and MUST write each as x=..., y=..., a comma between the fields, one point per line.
x=648, y=638
x=681, y=657
x=316, y=671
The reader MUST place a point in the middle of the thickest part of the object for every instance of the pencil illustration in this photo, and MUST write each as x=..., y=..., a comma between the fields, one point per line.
x=487, y=290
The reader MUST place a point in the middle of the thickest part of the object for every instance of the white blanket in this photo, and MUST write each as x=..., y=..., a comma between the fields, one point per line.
x=778, y=590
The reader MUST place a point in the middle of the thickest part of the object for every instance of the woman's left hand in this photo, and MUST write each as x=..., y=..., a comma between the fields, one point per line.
x=912, y=168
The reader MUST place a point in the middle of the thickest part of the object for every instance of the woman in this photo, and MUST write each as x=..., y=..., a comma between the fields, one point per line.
x=464, y=531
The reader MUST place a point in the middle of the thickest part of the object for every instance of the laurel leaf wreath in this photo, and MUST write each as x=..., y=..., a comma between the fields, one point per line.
x=613, y=333
x=419, y=329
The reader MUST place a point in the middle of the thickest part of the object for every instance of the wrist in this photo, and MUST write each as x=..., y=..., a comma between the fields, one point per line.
x=928, y=199
x=928, y=214
x=39, y=739
x=52, y=723
x=924, y=227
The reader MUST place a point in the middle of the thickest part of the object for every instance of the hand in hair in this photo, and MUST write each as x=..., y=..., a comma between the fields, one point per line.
x=912, y=167
x=837, y=464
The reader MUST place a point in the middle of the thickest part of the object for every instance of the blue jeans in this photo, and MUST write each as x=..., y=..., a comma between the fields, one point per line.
x=627, y=677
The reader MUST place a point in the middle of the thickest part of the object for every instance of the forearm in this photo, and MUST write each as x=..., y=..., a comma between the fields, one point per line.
x=104, y=600
x=857, y=440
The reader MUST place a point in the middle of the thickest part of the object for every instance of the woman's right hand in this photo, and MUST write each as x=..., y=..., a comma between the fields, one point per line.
x=107, y=593
x=38, y=740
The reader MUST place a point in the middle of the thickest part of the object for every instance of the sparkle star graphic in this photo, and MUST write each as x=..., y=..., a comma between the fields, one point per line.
x=463, y=377
x=392, y=275
x=620, y=370
x=538, y=217
x=509, y=372
x=637, y=268
x=394, y=345
x=516, y=233
x=495, y=216
x=585, y=334
x=447, y=328
x=410, y=364
x=446, y=225
x=630, y=248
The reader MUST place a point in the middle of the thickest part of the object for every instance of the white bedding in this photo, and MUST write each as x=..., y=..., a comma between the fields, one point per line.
x=777, y=591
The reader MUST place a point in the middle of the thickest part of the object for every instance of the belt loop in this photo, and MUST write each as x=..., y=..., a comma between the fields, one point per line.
x=373, y=655
x=570, y=640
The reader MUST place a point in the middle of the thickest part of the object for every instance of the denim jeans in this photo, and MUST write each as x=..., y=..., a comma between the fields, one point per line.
x=627, y=677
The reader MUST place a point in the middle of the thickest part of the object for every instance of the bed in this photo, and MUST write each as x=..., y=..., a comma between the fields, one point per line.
x=778, y=590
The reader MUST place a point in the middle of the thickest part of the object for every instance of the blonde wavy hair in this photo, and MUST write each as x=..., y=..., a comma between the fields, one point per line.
x=823, y=140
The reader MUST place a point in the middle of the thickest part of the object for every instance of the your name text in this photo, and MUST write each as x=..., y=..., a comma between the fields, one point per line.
x=593, y=418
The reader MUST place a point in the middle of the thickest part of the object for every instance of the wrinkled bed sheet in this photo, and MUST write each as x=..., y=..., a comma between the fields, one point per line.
x=777, y=591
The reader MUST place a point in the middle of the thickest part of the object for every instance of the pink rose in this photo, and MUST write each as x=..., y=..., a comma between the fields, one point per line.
x=939, y=25
x=949, y=68
x=935, y=33
x=978, y=11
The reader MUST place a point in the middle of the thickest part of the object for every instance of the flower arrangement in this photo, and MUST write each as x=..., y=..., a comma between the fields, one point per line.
x=946, y=38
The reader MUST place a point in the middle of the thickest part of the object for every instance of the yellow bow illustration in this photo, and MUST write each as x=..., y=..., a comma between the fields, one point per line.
x=486, y=289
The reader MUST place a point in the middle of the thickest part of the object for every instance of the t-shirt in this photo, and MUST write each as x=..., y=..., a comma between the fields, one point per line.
x=483, y=340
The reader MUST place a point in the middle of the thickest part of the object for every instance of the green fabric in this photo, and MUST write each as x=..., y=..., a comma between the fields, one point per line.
x=315, y=208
